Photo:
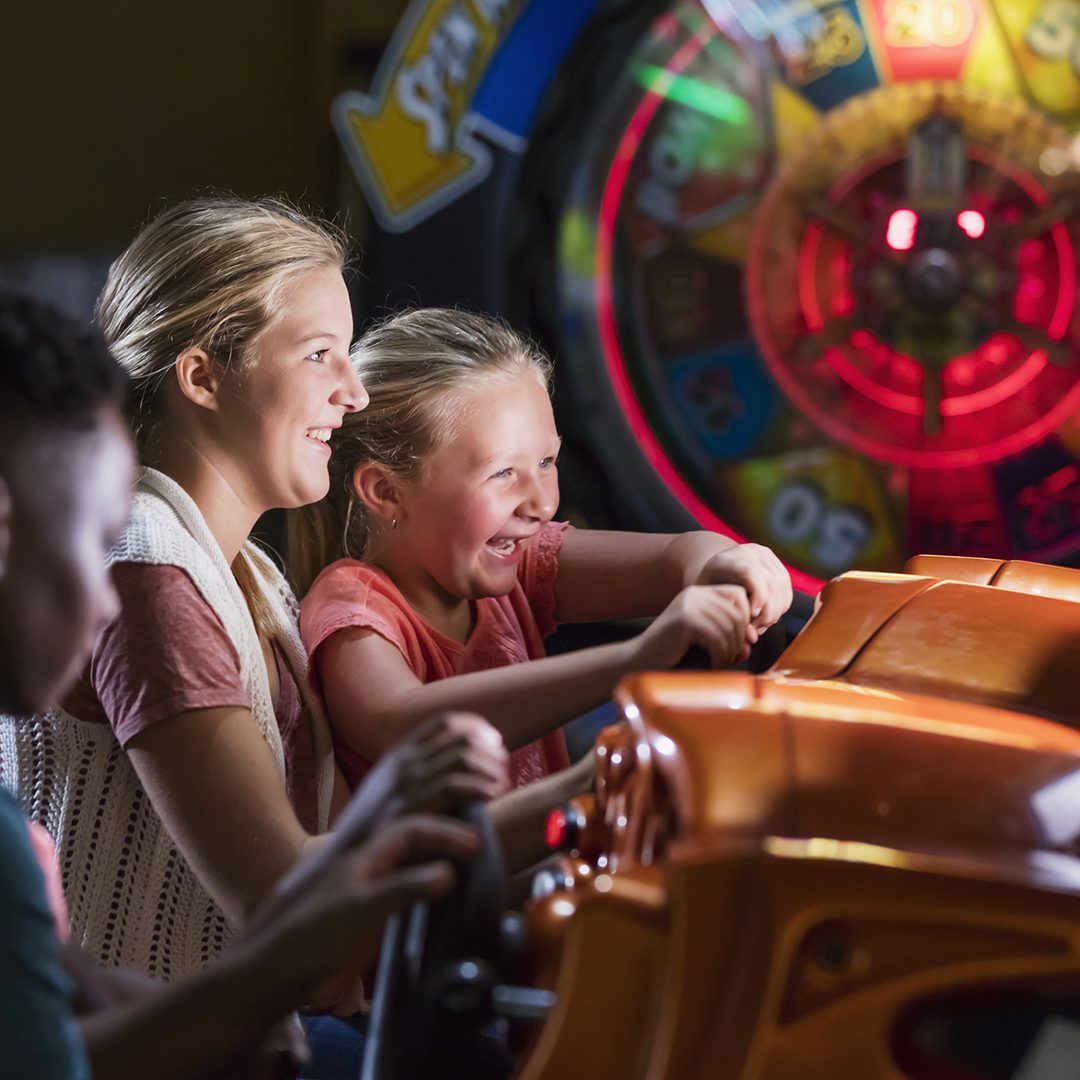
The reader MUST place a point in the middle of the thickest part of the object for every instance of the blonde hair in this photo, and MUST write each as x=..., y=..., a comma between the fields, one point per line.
x=208, y=273
x=418, y=367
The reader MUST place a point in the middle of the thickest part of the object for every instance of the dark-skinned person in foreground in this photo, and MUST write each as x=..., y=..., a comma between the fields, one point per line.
x=66, y=471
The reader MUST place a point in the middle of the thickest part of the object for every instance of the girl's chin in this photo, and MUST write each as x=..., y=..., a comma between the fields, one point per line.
x=305, y=494
x=499, y=580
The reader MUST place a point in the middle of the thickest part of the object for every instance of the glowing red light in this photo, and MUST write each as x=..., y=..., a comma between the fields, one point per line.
x=555, y=829
x=900, y=232
x=972, y=222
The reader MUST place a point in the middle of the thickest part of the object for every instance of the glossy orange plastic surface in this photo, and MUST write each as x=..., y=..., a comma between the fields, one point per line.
x=784, y=869
x=859, y=604
x=1040, y=578
x=952, y=639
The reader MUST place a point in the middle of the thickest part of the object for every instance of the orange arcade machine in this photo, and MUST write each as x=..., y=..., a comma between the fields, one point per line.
x=863, y=863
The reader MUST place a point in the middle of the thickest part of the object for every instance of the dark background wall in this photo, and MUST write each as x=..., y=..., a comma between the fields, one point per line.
x=110, y=110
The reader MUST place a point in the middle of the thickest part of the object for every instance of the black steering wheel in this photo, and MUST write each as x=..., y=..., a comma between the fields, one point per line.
x=438, y=972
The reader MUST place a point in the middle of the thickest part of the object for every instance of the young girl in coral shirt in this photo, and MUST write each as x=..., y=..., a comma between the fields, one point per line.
x=442, y=570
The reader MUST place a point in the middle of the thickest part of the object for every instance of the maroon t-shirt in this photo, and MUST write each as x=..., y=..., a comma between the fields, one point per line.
x=167, y=653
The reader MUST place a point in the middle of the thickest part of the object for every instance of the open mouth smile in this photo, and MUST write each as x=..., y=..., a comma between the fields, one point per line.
x=507, y=547
x=320, y=436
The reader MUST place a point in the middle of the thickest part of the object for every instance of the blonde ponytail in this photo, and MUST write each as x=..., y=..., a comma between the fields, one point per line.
x=315, y=537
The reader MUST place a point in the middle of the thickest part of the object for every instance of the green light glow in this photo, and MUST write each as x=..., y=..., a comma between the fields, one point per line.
x=713, y=101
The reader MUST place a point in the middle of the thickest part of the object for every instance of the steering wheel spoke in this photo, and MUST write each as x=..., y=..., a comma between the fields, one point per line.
x=1059, y=353
x=437, y=985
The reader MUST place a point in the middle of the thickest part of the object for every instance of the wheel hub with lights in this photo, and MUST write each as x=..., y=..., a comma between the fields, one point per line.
x=932, y=287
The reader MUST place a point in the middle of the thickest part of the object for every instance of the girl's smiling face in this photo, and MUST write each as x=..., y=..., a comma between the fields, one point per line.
x=485, y=491
x=277, y=410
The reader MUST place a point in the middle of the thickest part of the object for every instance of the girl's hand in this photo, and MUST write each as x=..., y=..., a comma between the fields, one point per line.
x=760, y=573
x=450, y=759
x=714, y=617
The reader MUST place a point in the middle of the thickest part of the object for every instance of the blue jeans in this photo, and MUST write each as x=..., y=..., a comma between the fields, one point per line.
x=336, y=1045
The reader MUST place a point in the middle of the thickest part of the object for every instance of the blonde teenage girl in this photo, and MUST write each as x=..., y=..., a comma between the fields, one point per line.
x=446, y=570
x=163, y=777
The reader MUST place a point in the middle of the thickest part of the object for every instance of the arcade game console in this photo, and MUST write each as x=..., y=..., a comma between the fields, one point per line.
x=864, y=862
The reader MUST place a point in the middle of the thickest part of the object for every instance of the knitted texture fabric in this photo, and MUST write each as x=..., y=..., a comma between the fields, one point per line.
x=132, y=897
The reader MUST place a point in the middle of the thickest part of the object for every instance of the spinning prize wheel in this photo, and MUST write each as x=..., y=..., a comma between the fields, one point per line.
x=809, y=269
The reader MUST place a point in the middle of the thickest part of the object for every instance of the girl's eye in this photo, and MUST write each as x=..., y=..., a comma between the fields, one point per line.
x=502, y=474
x=317, y=357
x=547, y=463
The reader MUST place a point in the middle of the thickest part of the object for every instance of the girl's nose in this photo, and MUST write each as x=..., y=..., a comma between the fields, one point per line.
x=350, y=392
x=541, y=499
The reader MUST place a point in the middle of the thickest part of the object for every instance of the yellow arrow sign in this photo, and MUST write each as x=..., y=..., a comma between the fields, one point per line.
x=412, y=141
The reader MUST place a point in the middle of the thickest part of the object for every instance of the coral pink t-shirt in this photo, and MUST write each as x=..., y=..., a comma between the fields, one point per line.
x=167, y=653
x=507, y=630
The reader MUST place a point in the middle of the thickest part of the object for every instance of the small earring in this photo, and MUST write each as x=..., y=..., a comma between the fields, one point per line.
x=393, y=523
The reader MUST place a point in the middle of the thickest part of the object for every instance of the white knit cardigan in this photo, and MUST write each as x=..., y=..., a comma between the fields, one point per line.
x=132, y=897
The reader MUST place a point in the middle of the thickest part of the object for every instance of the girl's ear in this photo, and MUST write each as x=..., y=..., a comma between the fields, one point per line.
x=198, y=377
x=379, y=490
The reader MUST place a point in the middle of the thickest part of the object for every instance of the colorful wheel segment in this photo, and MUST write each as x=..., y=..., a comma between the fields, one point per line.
x=826, y=255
